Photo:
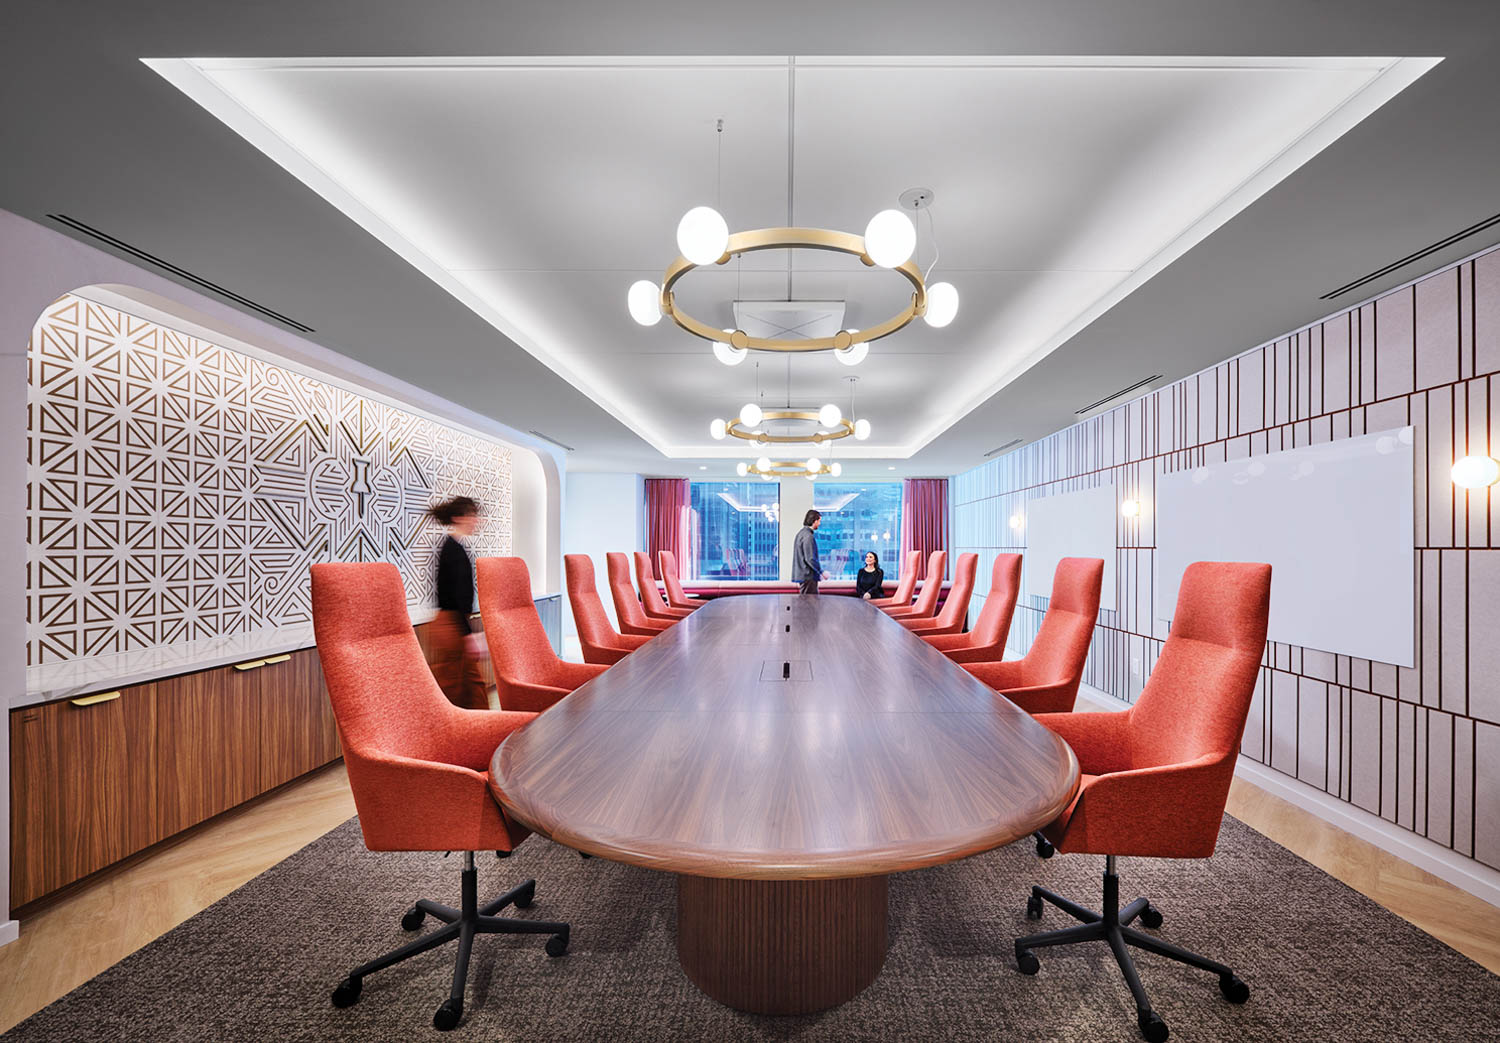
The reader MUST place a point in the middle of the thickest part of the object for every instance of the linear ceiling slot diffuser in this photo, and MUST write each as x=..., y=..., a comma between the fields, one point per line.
x=549, y=438
x=182, y=273
x=1003, y=448
x=1473, y=229
x=1123, y=391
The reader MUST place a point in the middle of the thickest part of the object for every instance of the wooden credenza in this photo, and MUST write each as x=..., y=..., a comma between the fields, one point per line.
x=97, y=778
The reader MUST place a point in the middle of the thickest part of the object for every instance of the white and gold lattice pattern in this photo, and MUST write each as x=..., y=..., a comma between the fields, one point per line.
x=178, y=490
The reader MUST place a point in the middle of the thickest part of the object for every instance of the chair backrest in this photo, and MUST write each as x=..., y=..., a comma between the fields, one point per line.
x=932, y=585
x=645, y=579
x=961, y=590
x=520, y=650
x=1198, y=696
x=907, y=580
x=666, y=564
x=382, y=690
x=1061, y=648
x=589, y=616
x=627, y=605
x=993, y=625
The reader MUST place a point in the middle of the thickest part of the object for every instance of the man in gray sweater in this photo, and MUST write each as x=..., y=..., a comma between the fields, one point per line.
x=806, y=571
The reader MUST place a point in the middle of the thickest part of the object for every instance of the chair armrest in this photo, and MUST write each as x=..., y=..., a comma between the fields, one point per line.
x=470, y=736
x=947, y=642
x=1171, y=811
x=1099, y=739
x=998, y=675
x=572, y=675
x=631, y=641
x=965, y=655
x=530, y=698
x=1042, y=698
x=409, y=804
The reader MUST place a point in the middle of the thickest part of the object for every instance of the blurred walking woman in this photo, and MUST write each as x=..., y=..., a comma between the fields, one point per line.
x=453, y=645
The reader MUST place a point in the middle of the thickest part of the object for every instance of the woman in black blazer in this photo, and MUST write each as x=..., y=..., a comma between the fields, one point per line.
x=868, y=580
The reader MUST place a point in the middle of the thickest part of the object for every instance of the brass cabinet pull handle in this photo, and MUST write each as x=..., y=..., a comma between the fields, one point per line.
x=254, y=665
x=95, y=700
x=275, y=659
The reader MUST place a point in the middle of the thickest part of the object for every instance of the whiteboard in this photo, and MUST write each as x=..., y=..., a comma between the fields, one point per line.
x=1070, y=525
x=1334, y=520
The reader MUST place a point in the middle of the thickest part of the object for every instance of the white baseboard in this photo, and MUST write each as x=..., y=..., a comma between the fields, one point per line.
x=1462, y=872
x=10, y=930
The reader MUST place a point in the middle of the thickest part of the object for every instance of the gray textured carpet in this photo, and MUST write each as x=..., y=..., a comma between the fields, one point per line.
x=1324, y=962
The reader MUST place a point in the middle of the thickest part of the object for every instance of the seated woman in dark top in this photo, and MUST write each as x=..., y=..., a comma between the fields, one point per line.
x=868, y=580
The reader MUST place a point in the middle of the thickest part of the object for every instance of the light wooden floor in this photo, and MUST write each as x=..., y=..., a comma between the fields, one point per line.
x=78, y=935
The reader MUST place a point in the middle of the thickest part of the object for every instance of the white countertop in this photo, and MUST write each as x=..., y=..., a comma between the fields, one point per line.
x=77, y=677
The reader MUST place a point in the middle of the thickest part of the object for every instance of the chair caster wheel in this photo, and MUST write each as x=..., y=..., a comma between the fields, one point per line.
x=1152, y=1027
x=1234, y=990
x=347, y=992
x=447, y=1015
x=1044, y=848
x=1151, y=917
x=413, y=919
x=526, y=895
x=557, y=945
x=1034, y=908
x=1026, y=961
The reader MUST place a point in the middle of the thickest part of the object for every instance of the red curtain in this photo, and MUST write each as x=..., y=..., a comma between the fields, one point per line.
x=924, y=519
x=667, y=506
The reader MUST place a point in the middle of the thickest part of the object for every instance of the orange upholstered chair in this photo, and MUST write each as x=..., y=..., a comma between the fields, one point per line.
x=651, y=599
x=633, y=618
x=418, y=765
x=932, y=589
x=906, y=582
x=676, y=597
x=601, y=643
x=1047, y=679
x=955, y=608
x=528, y=673
x=1156, y=776
x=985, y=641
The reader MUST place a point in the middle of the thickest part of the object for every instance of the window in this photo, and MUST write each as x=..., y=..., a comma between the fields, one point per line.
x=858, y=517
x=735, y=530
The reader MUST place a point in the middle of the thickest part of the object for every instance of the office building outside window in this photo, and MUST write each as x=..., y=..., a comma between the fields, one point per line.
x=735, y=530
x=858, y=517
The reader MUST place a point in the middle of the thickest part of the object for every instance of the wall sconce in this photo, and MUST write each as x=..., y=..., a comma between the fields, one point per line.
x=1015, y=521
x=1476, y=472
x=1131, y=508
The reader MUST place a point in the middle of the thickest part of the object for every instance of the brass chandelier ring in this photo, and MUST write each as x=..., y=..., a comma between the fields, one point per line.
x=788, y=469
x=844, y=429
x=792, y=239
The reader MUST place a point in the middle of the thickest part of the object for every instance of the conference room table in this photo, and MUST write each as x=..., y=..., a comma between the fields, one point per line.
x=783, y=755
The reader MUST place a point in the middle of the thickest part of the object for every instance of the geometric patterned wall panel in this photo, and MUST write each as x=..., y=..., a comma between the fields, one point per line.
x=178, y=490
x=1419, y=747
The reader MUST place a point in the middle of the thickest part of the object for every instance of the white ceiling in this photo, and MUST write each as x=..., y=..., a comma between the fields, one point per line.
x=537, y=190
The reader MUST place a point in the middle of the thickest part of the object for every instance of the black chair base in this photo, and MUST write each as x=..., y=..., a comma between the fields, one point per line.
x=459, y=925
x=1113, y=927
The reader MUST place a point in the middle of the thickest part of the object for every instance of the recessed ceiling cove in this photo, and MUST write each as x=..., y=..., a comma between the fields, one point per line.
x=536, y=191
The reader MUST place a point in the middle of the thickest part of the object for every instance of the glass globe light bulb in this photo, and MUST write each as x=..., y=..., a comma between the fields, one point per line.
x=644, y=301
x=742, y=468
x=942, y=304
x=835, y=468
x=717, y=429
x=702, y=235
x=750, y=414
x=1476, y=472
x=814, y=464
x=890, y=238
x=763, y=464
x=728, y=353
x=854, y=354
x=830, y=415
x=861, y=429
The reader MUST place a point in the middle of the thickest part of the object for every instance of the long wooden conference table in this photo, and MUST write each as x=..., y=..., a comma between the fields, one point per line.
x=783, y=755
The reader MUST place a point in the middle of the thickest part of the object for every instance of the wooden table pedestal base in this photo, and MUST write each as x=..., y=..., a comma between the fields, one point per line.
x=781, y=946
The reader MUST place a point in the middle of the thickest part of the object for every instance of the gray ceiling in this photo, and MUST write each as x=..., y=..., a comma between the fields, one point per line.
x=91, y=132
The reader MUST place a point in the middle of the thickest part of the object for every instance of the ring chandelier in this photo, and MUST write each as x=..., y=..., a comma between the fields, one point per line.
x=889, y=241
x=769, y=469
x=753, y=416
